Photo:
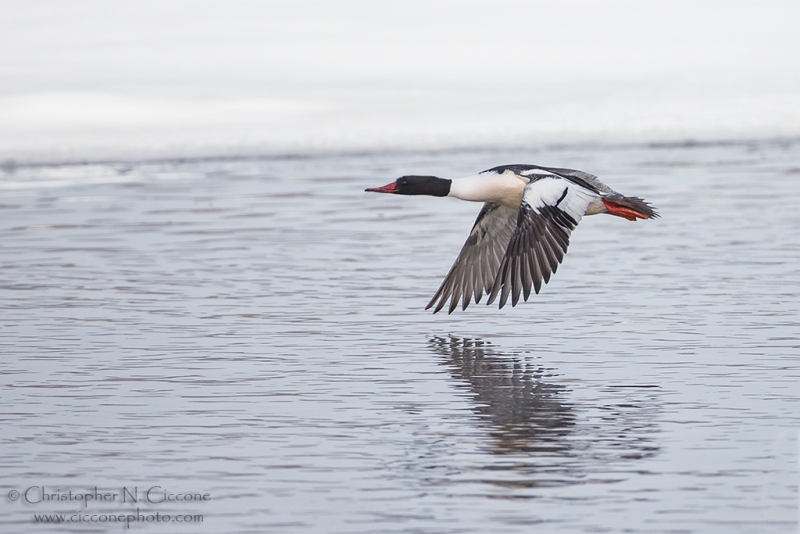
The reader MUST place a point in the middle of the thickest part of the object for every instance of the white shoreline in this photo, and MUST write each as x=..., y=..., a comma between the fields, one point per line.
x=127, y=80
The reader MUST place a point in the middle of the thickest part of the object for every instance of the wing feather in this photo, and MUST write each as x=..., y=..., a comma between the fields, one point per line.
x=550, y=210
x=474, y=271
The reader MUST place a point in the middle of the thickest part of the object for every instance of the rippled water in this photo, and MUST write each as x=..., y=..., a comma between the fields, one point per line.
x=254, y=329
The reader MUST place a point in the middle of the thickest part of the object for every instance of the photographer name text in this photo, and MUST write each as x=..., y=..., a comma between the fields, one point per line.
x=125, y=495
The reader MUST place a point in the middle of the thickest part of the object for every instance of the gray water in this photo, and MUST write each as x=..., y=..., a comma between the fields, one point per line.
x=254, y=329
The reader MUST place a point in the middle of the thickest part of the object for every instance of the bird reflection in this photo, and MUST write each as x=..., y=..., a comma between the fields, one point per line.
x=525, y=412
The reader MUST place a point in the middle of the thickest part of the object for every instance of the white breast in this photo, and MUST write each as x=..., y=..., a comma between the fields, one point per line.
x=505, y=189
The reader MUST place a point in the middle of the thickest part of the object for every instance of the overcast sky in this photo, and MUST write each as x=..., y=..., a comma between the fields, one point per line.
x=94, y=80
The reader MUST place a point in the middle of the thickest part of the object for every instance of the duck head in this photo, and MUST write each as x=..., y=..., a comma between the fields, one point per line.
x=416, y=185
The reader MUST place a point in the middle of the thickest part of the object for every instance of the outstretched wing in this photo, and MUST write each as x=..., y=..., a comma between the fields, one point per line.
x=476, y=266
x=551, y=208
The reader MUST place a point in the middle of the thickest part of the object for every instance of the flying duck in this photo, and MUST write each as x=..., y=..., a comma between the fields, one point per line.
x=522, y=232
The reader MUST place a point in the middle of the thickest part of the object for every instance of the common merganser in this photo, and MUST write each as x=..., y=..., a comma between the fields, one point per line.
x=522, y=232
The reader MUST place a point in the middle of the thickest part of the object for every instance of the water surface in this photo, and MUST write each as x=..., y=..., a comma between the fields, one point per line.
x=254, y=329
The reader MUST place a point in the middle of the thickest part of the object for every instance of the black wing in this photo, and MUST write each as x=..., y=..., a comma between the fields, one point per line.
x=550, y=210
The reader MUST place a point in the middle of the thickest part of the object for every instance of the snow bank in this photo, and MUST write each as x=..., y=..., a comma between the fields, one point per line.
x=189, y=78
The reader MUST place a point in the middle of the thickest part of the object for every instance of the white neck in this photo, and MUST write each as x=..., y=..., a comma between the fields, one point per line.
x=505, y=189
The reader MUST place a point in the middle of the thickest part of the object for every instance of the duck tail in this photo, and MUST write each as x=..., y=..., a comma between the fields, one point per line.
x=630, y=208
